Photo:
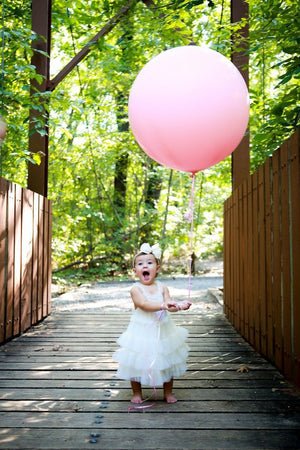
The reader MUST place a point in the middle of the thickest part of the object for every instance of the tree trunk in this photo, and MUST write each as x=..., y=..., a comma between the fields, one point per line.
x=151, y=197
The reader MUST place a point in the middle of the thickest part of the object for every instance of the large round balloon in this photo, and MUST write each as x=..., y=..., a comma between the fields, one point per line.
x=189, y=108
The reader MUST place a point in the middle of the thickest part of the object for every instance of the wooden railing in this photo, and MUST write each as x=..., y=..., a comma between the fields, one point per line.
x=262, y=259
x=25, y=259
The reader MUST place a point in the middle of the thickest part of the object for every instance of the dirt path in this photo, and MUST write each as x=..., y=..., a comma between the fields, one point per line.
x=114, y=296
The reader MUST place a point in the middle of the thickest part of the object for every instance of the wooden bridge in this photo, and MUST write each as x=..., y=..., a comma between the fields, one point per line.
x=58, y=391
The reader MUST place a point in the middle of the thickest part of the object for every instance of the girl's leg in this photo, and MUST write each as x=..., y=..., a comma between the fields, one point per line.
x=137, y=392
x=168, y=387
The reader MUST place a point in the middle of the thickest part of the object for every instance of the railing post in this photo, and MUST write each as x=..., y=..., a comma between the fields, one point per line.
x=240, y=160
x=38, y=143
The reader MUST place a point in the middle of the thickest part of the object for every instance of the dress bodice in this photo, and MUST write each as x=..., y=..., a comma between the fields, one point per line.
x=157, y=296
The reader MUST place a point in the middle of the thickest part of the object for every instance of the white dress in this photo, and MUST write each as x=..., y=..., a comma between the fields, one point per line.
x=152, y=349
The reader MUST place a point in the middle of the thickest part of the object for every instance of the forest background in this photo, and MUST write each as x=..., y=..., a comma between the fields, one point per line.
x=108, y=195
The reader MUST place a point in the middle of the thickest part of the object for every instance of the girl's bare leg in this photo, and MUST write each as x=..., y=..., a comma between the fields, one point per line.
x=137, y=392
x=168, y=388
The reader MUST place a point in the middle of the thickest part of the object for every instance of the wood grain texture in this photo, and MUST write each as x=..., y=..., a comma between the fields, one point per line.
x=262, y=290
x=58, y=389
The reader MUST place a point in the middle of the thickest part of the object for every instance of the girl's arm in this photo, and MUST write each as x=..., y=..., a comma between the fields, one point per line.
x=173, y=306
x=141, y=302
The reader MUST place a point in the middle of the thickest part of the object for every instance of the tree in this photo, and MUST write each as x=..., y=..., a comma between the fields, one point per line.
x=107, y=194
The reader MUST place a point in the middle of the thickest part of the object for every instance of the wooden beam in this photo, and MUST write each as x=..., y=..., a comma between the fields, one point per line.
x=38, y=143
x=87, y=48
x=240, y=161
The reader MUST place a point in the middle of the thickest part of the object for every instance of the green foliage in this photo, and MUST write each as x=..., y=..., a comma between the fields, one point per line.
x=107, y=195
x=16, y=73
x=274, y=75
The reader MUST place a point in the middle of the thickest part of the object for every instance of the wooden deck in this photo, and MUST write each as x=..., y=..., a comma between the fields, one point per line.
x=58, y=391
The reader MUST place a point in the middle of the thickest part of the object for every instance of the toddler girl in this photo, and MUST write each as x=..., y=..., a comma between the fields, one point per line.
x=152, y=349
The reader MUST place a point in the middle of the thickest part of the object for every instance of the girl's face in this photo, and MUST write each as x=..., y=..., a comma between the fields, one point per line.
x=146, y=268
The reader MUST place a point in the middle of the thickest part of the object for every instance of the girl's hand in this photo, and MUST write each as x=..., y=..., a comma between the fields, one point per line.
x=172, y=306
x=184, y=305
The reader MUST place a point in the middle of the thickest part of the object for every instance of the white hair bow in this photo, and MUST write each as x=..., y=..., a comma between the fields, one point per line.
x=155, y=250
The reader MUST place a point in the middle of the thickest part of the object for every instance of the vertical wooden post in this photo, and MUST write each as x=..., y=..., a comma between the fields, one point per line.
x=240, y=162
x=295, y=238
x=3, y=255
x=10, y=260
x=18, y=260
x=41, y=22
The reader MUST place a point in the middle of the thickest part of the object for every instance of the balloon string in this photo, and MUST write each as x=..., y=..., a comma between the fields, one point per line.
x=189, y=217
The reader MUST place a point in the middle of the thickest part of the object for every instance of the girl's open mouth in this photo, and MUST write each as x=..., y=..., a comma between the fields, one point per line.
x=146, y=274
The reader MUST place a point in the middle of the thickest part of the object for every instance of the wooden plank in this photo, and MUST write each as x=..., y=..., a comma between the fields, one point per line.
x=286, y=259
x=26, y=282
x=45, y=374
x=69, y=351
x=179, y=421
x=226, y=254
x=247, y=275
x=256, y=268
x=249, y=279
x=262, y=262
x=198, y=318
x=206, y=333
x=40, y=259
x=49, y=246
x=236, y=230
x=243, y=245
x=227, y=343
x=91, y=383
x=99, y=394
x=244, y=406
x=67, y=356
x=35, y=242
x=240, y=263
x=82, y=365
x=295, y=227
x=209, y=335
x=57, y=358
x=17, y=258
x=3, y=240
x=269, y=260
x=232, y=265
x=71, y=347
x=227, y=230
x=10, y=261
x=277, y=294
x=90, y=349
x=232, y=256
x=67, y=438
x=90, y=380
x=46, y=258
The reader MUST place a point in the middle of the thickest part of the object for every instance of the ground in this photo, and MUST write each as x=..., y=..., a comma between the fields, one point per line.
x=205, y=293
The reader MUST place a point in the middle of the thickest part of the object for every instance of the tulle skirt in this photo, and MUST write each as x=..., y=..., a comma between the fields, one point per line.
x=152, y=349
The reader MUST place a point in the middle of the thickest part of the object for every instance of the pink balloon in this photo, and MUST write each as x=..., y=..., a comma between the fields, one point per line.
x=189, y=108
